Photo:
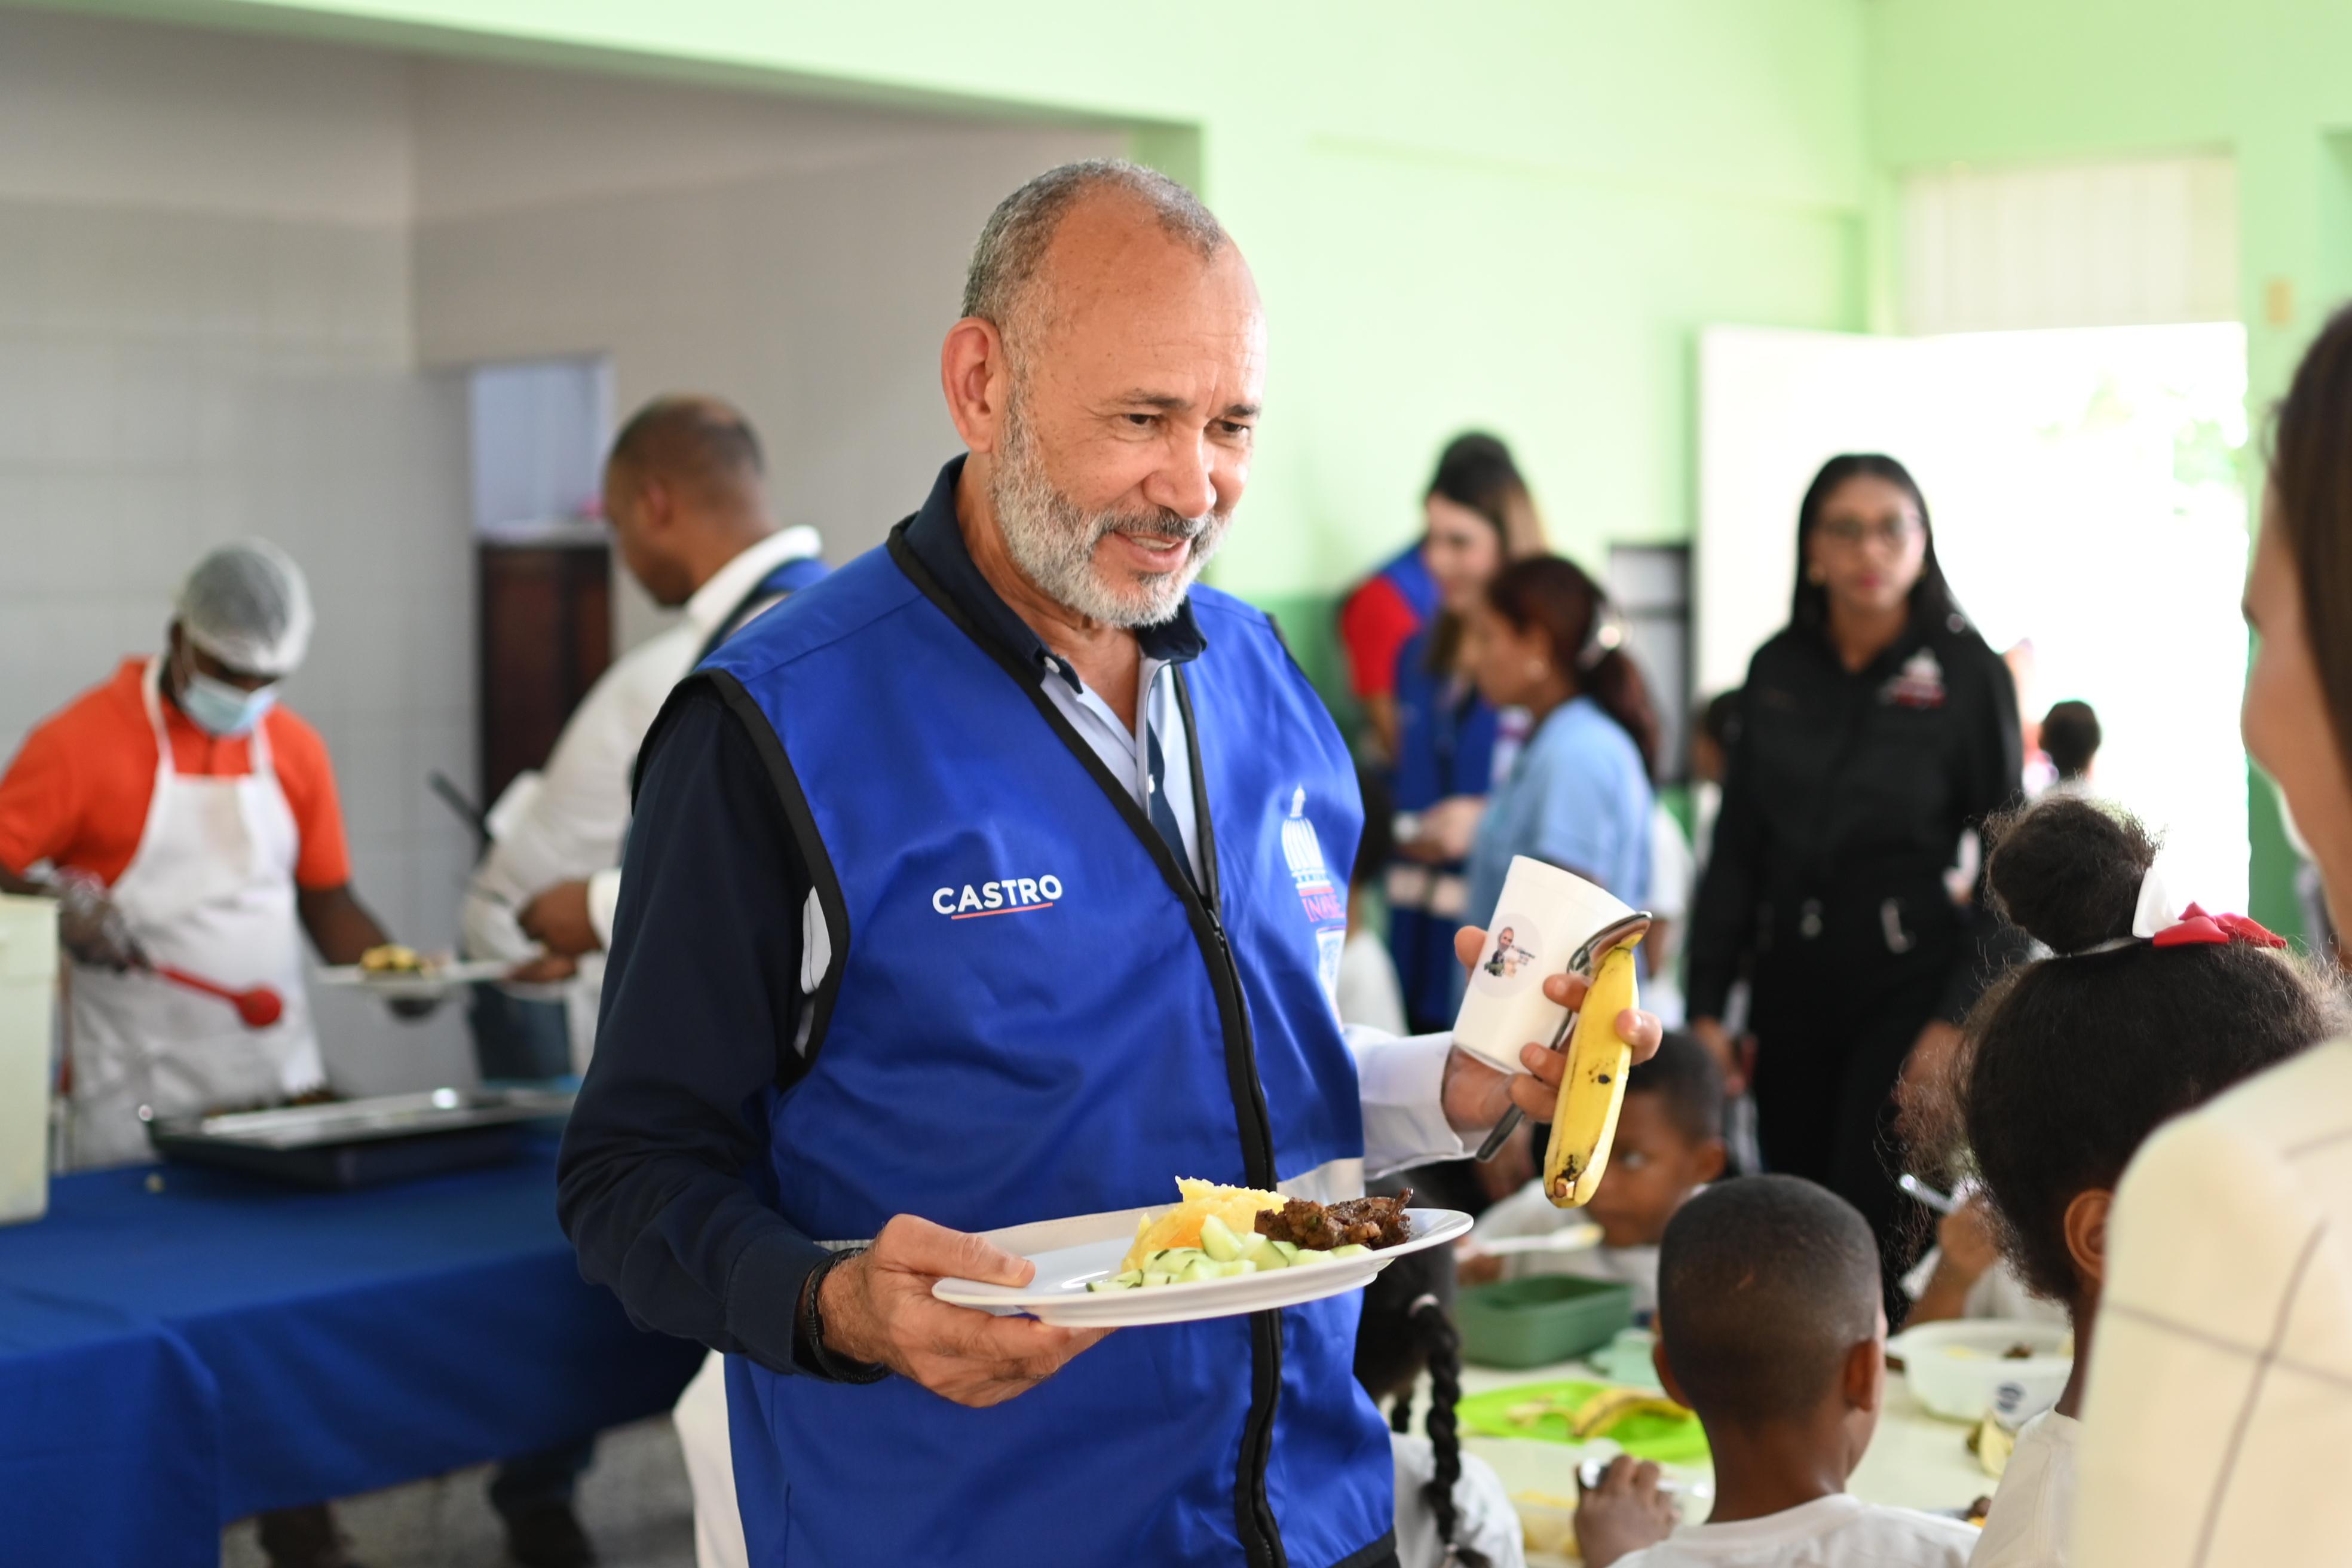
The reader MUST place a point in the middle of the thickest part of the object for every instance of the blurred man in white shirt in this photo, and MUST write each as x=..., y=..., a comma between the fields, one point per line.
x=684, y=491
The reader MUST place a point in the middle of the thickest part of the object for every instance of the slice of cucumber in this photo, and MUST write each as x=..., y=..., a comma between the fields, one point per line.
x=1218, y=1240
x=1200, y=1268
x=1153, y=1277
x=1288, y=1249
x=1352, y=1249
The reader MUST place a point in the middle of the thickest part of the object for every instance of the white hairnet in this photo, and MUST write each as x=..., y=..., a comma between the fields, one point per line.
x=246, y=605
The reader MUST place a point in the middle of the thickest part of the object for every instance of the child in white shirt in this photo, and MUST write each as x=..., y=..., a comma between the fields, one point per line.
x=2034, y=1512
x=1669, y=1146
x=2068, y=1064
x=1451, y=1507
x=1770, y=1327
x=1965, y=1276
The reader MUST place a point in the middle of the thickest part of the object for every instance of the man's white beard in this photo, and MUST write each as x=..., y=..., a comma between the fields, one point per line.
x=1052, y=540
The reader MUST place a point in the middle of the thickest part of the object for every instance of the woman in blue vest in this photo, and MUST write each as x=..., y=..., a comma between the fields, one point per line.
x=1481, y=517
x=1375, y=620
x=1579, y=796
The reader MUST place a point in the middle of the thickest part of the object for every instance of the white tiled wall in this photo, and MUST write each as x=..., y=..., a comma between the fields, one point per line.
x=196, y=343
x=230, y=266
x=802, y=260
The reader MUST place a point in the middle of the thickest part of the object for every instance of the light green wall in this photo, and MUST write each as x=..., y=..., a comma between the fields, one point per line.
x=1515, y=213
x=1994, y=81
x=1511, y=213
x=2017, y=81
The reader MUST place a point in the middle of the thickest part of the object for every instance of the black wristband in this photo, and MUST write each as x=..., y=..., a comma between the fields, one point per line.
x=814, y=1358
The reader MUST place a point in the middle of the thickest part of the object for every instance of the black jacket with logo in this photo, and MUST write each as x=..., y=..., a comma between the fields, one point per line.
x=1845, y=803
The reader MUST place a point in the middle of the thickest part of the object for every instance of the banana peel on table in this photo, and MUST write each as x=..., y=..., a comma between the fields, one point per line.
x=1552, y=1412
x=1602, y=1414
x=1592, y=1090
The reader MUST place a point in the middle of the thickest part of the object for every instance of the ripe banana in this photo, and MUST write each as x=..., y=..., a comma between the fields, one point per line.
x=1601, y=1412
x=1593, y=1088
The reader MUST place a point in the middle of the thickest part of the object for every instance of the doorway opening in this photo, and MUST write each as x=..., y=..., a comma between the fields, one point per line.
x=2089, y=508
x=543, y=629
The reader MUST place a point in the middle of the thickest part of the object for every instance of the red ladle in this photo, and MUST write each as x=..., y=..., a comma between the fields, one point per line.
x=259, y=1007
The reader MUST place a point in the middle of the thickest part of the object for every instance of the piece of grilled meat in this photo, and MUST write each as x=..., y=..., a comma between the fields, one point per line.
x=1370, y=1222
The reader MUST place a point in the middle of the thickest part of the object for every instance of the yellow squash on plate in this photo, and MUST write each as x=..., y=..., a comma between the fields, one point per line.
x=1238, y=1208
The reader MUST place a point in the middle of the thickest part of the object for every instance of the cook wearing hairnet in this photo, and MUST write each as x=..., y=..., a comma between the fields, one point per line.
x=243, y=625
x=187, y=821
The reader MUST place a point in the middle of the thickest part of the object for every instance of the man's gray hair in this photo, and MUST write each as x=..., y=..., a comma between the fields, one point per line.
x=1012, y=242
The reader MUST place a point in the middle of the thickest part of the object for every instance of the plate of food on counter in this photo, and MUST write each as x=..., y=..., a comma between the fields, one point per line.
x=1220, y=1252
x=395, y=971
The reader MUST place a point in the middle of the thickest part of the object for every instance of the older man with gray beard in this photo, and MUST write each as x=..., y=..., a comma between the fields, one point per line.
x=992, y=882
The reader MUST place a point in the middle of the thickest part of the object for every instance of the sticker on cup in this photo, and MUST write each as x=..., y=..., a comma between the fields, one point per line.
x=1510, y=963
x=1547, y=922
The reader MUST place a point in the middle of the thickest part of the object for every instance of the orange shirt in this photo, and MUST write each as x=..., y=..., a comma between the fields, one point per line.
x=77, y=794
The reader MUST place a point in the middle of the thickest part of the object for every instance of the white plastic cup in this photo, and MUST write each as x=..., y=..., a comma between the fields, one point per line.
x=1541, y=925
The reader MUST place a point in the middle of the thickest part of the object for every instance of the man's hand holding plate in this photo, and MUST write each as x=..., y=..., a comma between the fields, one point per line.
x=878, y=1308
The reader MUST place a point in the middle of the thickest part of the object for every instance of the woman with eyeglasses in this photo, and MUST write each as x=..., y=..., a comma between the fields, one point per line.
x=1879, y=728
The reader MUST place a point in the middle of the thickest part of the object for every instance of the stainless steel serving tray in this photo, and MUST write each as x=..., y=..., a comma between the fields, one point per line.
x=358, y=1143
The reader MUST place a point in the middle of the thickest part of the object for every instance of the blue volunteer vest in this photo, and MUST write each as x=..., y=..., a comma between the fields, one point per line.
x=1031, y=1014
x=1446, y=747
x=1408, y=572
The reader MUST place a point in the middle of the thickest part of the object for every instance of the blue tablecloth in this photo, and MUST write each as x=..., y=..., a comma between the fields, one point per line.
x=171, y=1360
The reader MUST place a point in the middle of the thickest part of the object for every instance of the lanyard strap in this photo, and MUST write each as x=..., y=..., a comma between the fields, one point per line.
x=785, y=580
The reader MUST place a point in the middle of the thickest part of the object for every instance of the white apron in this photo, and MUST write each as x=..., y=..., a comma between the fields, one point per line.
x=210, y=890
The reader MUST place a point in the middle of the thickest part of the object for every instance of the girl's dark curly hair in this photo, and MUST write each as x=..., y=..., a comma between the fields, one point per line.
x=2070, y=1061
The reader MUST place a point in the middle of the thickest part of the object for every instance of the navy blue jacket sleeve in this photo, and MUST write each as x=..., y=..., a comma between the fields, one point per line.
x=1723, y=915
x=656, y=1186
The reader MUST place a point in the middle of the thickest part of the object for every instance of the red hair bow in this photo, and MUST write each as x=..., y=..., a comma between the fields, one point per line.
x=2197, y=929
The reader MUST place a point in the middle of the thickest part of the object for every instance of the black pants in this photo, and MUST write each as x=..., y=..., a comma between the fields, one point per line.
x=517, y=1037
x=543, y=1479
x=307, y=1536
x=1834, y=1024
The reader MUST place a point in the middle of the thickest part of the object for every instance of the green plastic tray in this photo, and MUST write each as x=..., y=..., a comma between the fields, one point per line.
x=1541, y=1319
x=1668, y=1440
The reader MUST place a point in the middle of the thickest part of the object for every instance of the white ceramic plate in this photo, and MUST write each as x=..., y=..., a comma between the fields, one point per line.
x=428, y=983
x=1069, y=1253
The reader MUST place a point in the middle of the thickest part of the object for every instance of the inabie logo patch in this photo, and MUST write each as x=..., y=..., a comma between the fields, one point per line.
x=1304, y=853
x=1005, y=896
x=1920, y=684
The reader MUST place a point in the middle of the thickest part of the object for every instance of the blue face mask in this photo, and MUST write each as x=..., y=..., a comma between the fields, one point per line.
x=222, y=708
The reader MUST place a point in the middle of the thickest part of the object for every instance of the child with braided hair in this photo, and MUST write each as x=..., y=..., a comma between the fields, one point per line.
x=1451, y=1508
